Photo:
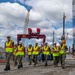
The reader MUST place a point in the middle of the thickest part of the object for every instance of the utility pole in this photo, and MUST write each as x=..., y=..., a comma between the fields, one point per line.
x=53, y=36
x=63, y=36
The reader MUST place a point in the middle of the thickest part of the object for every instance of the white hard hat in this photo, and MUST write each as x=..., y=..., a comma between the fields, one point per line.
x=20, y=42
x=58, y=44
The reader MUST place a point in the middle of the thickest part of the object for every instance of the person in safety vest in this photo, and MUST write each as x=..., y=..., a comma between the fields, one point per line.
x=55, y=52
x=36, y=50
x=20, y=53
x=46, y=51
x=14, y=55
x=9, y=45
x=63, y=49
x=29, y=52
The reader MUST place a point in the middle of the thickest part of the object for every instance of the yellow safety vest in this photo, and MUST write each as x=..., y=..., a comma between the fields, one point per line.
x=20, y=50
x=15, y=51
x=55, y=53
x=8, y=46
x=46, y=50
x=62, y=49
x=30, y=51
x=36, y=50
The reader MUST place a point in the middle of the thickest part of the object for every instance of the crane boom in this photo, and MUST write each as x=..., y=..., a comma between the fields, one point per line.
x=26, y=22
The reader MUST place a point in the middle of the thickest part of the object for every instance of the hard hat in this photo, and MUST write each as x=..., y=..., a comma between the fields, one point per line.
x=45, y=42
x=20, y=42
x=63, y=41
x=58, y=44
x=54, y=42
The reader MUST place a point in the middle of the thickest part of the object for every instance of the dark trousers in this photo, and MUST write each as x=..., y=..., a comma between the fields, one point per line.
x=46, y=58
x=19, y=58
x=62, y=59
x=35, y=59
x=56, y=60
x=15, y=60
x=8, y=56
x=30, y=58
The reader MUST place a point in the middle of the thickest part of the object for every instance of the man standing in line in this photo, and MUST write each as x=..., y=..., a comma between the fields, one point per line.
x=20, y=53
x=29, y=52
x=55, y=52
x=36, y=50
x=63, y=49
x=9, y=45
x=46, y=51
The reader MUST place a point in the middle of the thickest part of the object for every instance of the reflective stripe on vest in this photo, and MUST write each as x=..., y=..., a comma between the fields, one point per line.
x=36, y=50
x=8, y=46
x=20, y=50
x=46, y=50
x=30, y=51
x=62, y=50
x=15, y=51
x=55, y=53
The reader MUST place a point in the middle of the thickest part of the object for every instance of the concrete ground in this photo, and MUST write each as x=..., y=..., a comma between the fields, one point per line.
x=40, y=69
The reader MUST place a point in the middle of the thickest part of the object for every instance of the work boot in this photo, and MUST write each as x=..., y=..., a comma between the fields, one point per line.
x=46, y=64
x=62, y=66
x=34, y=64
x=19, y=66
x=30, y=63
x=6, y=69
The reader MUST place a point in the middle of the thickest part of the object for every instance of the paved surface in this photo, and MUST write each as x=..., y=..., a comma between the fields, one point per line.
x=40, y=69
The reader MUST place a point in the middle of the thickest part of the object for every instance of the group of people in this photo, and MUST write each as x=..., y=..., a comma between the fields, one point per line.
x=19, y=51
x=59, y=53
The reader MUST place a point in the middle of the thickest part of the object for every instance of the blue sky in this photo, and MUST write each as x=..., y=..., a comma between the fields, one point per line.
x=44, y=14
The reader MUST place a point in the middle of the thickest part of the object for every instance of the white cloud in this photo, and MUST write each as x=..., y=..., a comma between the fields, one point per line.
x=44, y=14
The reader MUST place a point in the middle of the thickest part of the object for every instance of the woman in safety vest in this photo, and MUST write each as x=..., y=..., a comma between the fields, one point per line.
x=20, y=53
x=56, y=54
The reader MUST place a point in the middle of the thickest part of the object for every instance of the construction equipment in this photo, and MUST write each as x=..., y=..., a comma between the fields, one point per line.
x=73, y=10
x=26, y=22
x=36, y=35
x=26, y=25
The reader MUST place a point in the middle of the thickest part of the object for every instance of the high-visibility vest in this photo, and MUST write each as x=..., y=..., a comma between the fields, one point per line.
x=35, y=50
x=8, y=46
x=20, y=50
x=55, y=53
x=15, y=51
x=46, y=50
x=30, y=50
x=62, y=51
